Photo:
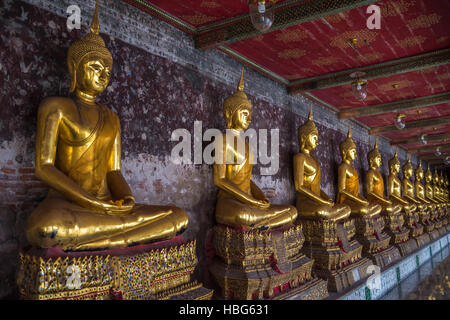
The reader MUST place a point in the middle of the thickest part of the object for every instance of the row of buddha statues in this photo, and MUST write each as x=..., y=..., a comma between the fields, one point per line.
x=90, y=206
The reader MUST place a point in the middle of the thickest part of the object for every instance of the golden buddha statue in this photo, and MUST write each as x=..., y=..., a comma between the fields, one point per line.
x=240, y=203
x=328, y=227
x=368, y=221
x=431, y=196
x=437, y=187
x=375, y=193
x=395, y=186
x=312, y=202
x=414, y=218
x=89, y=205
x=257, y=245
x=348, y=183
x=425, y=206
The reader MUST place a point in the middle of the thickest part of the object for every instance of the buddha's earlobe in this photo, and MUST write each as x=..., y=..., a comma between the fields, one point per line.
x=73, y=76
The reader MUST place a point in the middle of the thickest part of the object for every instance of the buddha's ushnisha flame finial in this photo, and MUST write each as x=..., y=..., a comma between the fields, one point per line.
x=349, y=134
x=95, y=25
x=241, y=81
x=396, y=153
x=310, y=116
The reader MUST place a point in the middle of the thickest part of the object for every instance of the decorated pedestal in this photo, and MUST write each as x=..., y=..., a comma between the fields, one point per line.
x=416, y=229
x=147, y=272
x=399, y=234
x=337, y=257
x=375, y=242
x=263, y=264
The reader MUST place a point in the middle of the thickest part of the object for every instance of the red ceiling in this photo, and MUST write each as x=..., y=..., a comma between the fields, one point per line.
x=318, y=47
x=321, y=46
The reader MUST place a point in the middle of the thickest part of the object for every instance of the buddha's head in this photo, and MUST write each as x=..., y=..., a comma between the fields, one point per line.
x=90, y=62
x=408, y=169
x=435, y=178
x=237, y=108
x=441, y=179
x=374, y=156
x=348, y=148
x=428, y=175
x=394, y=164
x=308, y=135
x=419, y=172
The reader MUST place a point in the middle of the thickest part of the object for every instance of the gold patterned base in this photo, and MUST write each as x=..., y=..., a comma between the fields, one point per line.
x=385, y=257
x=259, y=264
x=407, y=247
x=315, y=289
x=422, y=240
x=339, y=280
x=153, y=273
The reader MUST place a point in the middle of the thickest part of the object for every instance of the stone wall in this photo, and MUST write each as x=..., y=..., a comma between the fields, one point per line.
x=159, y=83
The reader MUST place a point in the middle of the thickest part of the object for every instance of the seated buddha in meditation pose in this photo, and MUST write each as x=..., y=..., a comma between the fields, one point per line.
x=240, y=203
x=78, y=154
x=429, y=191
x=312, y=202
x=425, y=206
x=395, y=186
x=375, y=184
x=348, y=183
x=408, y=187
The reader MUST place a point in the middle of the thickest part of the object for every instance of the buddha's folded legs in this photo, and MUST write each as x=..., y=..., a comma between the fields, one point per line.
x=57, y=222
x=235, y=213
x=309, y=209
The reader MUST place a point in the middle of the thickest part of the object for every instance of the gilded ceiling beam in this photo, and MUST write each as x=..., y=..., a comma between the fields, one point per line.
x=443, y=146
x=433, y=122
x=287, y=14
x=380, y=70
x=396, y=106
x=434, y=137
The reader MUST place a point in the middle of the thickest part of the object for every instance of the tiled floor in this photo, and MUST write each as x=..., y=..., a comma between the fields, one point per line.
x=430, y=282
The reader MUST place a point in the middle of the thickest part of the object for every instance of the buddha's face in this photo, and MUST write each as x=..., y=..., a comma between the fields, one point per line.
x=310, y=141
x=241, y=119
x=428, y=177
x=350, y=155
x=407, y=172
x=435, y=178
x=395, y=168
x=376, y=162
x=93, y=75
x=419, y=175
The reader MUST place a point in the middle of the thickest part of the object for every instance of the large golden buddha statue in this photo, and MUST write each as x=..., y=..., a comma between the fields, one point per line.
x=240, y=203
x=431, y=196
x=312, y=202
x=375, y=193
x=89, y=205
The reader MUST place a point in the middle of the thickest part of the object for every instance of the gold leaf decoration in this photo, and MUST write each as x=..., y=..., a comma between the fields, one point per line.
x=363, y=36
x=198, y=19
x=424, y=21
x=411, y=41
x=401, y=85
x=370, y=57
x=210, y=4
x=291, y=53
x=393, y=8
x=293, y=35
x=325, y=61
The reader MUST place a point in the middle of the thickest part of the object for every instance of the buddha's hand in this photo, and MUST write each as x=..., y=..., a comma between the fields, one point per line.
x=262, y=204
x=329, y=203
x=116, y=208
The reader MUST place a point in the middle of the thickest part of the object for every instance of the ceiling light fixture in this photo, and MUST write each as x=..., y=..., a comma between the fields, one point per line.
x=399, y=121
x=359, y=86
x=423, y=139
x=261, y=14
x=438, y=151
